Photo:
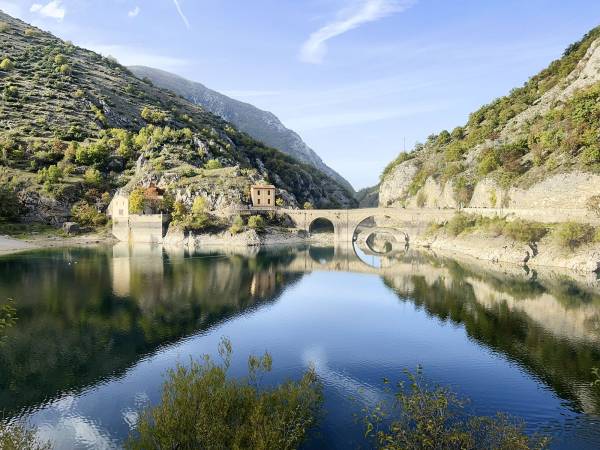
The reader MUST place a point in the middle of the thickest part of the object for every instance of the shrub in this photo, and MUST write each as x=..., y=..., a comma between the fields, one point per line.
x=463, y=190
x=199, y=222
x=237, y=225
x=96, y=153
x=65, y=69
x=92, y=177
x=50, y=175
x=6, y=65
x=573, y=234
x=137, y=201
x=10, y=92
x=429, y=417
x=593, y=204
x=153, y=115
x=256, y=222
x=17, y=436
x=421, y=199
x=179, y=211
x=279, y=202
x=86, y=214
x=9, y=203
x=201, y=407
x=4, y=27
x=60, y=59
x=524, y=231
x=199, y=206
x=308, y=205
x=213, y=164
x=460, y=223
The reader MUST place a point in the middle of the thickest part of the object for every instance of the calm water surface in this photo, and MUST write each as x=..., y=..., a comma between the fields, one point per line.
x=98, y=328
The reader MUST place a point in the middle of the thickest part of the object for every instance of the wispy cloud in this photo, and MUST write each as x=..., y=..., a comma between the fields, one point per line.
x=314, y=49
x=53, y=9
x=134, y=12
x=181, y=14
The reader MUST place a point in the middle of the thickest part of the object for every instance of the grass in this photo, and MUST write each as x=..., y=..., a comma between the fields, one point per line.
x=30, y=230
x=567, y=235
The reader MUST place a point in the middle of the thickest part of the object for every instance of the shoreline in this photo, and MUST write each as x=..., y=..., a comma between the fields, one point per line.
x=10, y=245
x=486, y=249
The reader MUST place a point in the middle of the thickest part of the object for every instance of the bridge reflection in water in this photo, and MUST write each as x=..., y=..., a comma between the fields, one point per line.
x=128, y=303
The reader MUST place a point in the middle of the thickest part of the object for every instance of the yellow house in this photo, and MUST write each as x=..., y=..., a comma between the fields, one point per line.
x=263, y=195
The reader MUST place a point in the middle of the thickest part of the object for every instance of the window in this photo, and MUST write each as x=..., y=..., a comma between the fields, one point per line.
x=269, y=201
x=120, y=212
x=258, y=192
x=258, y=201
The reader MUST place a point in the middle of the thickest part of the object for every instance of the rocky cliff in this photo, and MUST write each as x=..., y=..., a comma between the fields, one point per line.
x=537, y=147
x=261, y=125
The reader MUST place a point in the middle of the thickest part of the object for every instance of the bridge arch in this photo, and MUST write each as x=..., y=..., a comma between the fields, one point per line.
x=321, y=225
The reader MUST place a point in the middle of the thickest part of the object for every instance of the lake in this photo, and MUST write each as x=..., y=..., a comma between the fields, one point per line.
x=98, y=327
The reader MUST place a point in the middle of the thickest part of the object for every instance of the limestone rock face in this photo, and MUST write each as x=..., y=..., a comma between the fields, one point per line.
x=394, y=187
x=558, y=192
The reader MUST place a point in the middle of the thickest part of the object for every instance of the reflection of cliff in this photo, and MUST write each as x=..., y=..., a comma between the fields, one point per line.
x=548, y=323
x=553, y=334
x=85, y=315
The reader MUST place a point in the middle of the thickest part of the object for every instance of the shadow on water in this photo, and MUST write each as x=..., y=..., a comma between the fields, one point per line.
x=87, y=315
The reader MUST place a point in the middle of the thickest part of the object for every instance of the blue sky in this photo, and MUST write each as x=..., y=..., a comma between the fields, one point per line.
x=355, y=78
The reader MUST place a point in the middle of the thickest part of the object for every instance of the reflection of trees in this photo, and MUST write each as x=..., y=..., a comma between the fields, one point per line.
x=77, y=325
x=543, y=326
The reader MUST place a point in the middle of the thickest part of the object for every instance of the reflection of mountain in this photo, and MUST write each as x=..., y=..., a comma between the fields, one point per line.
x=550, y=327
x=549, y=324
x=85, y=315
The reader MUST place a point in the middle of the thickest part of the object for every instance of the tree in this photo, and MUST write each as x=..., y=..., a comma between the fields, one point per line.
x=308, y=205
x=92, y=177
x=237, y=225
x=179, y=211
x=256, y=222
x=279, y=202
x=153, y=115
x=137, y=201
x=60, y=59
x=199, y=206
x=202, y=408
x=9, y=203
x=86, y=214
x=65, y=69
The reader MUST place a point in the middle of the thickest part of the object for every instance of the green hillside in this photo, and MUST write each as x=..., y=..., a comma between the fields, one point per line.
x=549, y=125
x=74, y=125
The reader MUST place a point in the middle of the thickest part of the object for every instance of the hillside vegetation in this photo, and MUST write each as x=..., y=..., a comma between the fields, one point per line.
x=75, y=126
x=547, y=127
x=261, y=125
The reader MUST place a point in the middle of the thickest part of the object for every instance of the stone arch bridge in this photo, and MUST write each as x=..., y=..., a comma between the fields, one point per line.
x=346, y=221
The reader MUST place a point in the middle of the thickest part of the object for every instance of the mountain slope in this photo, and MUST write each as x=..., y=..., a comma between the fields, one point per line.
x=261, y=125
x=538, y=147
x=75, y=126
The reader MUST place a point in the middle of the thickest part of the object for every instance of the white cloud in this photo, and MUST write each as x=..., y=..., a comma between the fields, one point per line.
x=52, y=9
x=314, y=49
x=181, y=14
x=134, y=12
